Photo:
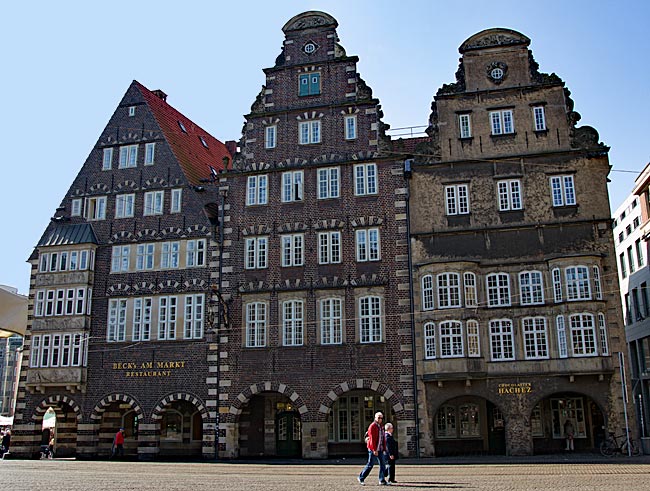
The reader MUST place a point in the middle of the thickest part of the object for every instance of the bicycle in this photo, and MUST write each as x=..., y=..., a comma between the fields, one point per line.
x=619, y=444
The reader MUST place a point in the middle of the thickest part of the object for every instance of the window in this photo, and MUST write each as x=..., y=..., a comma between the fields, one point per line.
x=630, y=260
x=636, y=222
x=448, y=290
x=350, y=127
x=498, y=289
x=602, y=334
x=535, y=341
x=471, y=299
x=640, y=257
x=563, y=350
x=429, y=340
x=309, y=132
x=563, y=191
x=169, y=258
x=96, y=208
x=309, y=84
x=583, y=335
x=255, y=325
x=193, y=317
x=331, y=321
x=473, y=341
x=128, y=156
x=144, y=257
x=270, y=136
x=368, y=245
x=131, y=111
x=167, y=313
x=39, y=303
x=257, y=190
x=120, y=258
x=256, y=252
x=540, y=118
x=182, y=126
x=53, y=350
x=598, y=289
x=502, y=340
x=149, y=153
x=427, y=292
x=464, y=123
x=142, y=308
x=75, y=208
x=509, y=195
x=195, y=253
x=557, y=285
x=457, y=199
x=365, y=178
x=502, y=122
x=577, y=283
x=446, y=422
x=107, y=161
x=621, y=237
x=153, y=203
x=621, y=260
x=175, y=206
x=292, y=250
x=451, y=339
x=329, y=247
x=328, y=183
x=116, y=330
x=292, y=186
x=370, y=319
x=124, y=205
x=531, y=288
x=292, y=323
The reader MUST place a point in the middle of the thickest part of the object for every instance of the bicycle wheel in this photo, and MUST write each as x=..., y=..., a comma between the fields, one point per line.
x=634, y=447
x=607, y=448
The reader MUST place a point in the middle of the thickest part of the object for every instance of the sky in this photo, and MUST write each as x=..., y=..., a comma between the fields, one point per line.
x=67, y=65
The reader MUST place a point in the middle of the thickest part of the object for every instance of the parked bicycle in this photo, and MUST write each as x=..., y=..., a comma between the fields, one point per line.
x=619, y=444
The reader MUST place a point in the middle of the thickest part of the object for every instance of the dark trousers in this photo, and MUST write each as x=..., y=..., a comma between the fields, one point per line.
x=390, y=469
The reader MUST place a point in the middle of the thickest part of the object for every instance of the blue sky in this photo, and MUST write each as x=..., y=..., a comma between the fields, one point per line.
x=67, y=65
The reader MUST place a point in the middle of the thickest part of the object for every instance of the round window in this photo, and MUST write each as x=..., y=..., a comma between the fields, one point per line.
x=309, y=48
x=497, y=73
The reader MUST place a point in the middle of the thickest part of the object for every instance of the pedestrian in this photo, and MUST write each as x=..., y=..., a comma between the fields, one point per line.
x=118, y=444
x=6, y=442
x=568, y=435
x=376, y=444
x=391, y=453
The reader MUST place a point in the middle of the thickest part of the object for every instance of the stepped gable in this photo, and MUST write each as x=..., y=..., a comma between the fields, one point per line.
x=195, y=149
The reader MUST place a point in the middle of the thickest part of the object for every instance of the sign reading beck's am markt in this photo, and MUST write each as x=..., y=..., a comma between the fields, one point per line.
x=516, y=388
x=148, y=368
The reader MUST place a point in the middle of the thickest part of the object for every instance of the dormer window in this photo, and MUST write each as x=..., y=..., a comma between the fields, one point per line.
x=309, y=84
x=132, y=111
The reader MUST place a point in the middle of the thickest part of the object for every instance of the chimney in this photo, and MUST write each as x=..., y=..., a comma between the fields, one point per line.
x=160, y=94
x=231, y=145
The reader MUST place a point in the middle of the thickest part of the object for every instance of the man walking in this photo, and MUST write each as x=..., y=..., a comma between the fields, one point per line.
x=376, y=443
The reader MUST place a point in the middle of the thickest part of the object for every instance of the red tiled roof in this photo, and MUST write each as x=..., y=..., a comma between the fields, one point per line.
x=194, y=157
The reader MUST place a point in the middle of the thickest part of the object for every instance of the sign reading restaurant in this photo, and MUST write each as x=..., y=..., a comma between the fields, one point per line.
x=516, y=388
x=148, y=368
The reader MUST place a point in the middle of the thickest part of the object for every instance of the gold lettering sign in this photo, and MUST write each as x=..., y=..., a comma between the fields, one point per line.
x=148, y=368
x=516, y=388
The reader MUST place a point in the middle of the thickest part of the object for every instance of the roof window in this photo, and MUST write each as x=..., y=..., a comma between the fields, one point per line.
x=182, y=126
x=203, y=142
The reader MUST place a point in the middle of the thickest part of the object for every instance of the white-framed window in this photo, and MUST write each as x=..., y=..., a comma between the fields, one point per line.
x=577, y=283
x=292, y=250
x=539, y=117
x=142, y=308
x=96, y=208
x=473, y=339
x=469, y=283
x=35, y=351
x=124, y=205
x=194, y=311
x=195, y=253
x=107, y=160
x=429, y=340
x=448, y=290
x=54, y=350
x=257, y=190
x=509, y=195
x=255, y=324
x=309, y=132
x=292, y=186
x=350, y=123
x=153, y=203
x=176, y=200
x=502, y=340
x=451, y=339
x=365, y=179
x=116, y=329
x=583, y=335
x=131, y=111
x=370, y=321
x=598, y=288
x=602, y=334
x=144, y=256
x=170, y=254
x=75, y=207
x=531, y=288
x=292, y=322
x=465, y=126
x=502, y=122
x=535, y=338
x=498, y=289
x=557, y=285
x=329, y=247
x=256, y=252
x=457, y=199
x=270, y=136
x=149, y=153
x=563, y=190
x=367, y=245
x=45, y=350
x=427, y=292
x=120, y=258
x=167, y=317
x=328, y=183
x=39, y=303
x=49, y=302
x=60, y=302
x=128, y=156
x=331, y=321
x=562, y=346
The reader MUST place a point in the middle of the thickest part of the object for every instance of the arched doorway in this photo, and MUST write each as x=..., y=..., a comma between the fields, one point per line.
x=118, y=415
x=56, y=417
x=181, y=431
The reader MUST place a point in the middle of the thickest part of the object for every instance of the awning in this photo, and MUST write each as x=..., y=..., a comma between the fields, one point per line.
x=13, y=313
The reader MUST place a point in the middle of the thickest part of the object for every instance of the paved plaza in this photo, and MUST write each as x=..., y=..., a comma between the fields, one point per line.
x=64, y=475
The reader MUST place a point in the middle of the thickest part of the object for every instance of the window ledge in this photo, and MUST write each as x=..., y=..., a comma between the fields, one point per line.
x=541, y=132
x=503, y=135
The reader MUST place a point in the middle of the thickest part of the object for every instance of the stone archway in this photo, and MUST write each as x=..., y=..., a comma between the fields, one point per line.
x=111, y=413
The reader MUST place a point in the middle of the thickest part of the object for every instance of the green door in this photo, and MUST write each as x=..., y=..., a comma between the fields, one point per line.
x=288, y=433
